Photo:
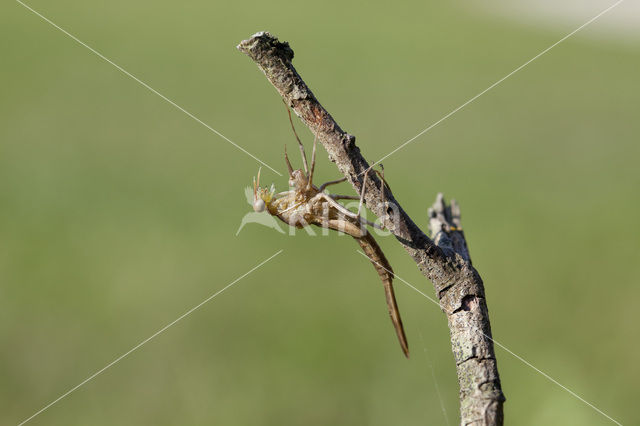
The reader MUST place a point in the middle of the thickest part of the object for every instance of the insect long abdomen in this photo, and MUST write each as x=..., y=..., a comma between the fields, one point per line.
x=380, y=262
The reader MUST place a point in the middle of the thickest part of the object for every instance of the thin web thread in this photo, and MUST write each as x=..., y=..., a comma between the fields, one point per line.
x=94, y=375
x=497, y=82
x=506, y=349
x=435, y=380
x=128, y=74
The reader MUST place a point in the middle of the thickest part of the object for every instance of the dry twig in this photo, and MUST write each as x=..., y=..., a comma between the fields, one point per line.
x=444, y=260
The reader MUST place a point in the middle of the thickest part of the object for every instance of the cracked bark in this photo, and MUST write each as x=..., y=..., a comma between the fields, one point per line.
x=444, y=260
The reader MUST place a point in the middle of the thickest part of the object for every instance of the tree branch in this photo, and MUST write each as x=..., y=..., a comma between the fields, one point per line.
x=445, y=261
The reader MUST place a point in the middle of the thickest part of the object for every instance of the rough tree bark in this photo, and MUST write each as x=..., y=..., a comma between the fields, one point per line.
x=445, y=260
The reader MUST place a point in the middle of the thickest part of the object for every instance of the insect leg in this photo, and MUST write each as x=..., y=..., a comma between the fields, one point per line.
x=344, y=197
x=364, y=184
x=304, y=156
x=342, y=209
x=332, y=182
x=381, y=174
x=333, y=203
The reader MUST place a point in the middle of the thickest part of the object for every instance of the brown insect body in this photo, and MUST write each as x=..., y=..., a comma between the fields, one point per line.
x=305, y=204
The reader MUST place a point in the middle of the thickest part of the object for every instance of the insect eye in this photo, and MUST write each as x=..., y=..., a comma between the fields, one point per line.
x=258, y=205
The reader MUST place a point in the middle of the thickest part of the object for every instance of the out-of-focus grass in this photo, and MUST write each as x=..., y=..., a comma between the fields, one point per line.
x=118, y=213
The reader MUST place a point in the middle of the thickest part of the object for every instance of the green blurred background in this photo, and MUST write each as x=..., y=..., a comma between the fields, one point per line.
x=118, y=213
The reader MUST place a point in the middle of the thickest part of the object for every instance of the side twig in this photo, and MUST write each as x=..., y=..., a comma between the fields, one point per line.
x=445, y=260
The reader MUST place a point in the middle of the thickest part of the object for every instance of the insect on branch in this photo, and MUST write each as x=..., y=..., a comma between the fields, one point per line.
x=445, y=261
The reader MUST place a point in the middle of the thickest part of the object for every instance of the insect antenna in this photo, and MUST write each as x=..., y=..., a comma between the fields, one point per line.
x=313, y=161
x=256, y=184
x=304, y=156
x=286, y=158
